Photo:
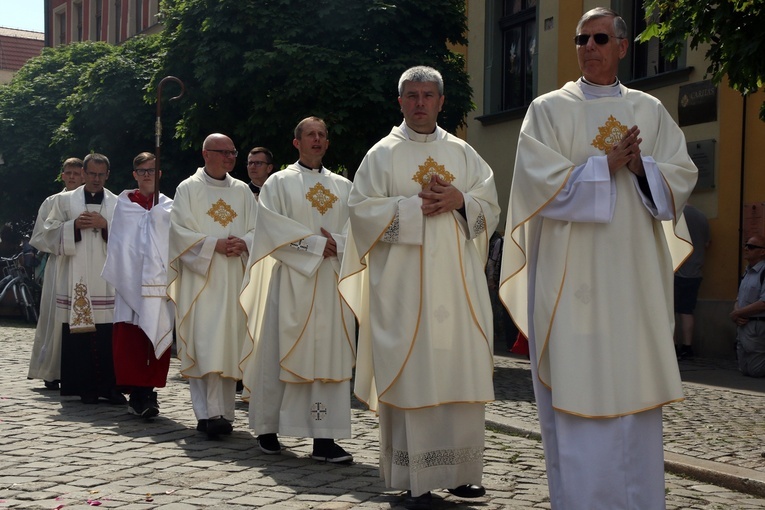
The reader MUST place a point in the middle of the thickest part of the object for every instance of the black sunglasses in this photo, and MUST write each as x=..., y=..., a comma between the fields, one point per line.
x=600, y=39
x=750, y=246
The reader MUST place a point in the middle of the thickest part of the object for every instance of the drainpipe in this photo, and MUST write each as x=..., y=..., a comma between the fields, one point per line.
x=741, y=192
x=48, y=32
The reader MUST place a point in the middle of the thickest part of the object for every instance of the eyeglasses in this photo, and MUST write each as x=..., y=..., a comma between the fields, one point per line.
x=225, y=152
x=600, y=39
x=750, y=246
x=98, y=175
x=144, y=171
x=257, y=163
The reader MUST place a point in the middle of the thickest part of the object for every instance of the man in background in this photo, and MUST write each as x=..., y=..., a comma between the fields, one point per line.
x=688, y=279
x=45, y=363
x=749, y=310
x=260, y=164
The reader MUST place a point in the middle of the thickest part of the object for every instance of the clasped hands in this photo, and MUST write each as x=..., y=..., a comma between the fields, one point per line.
x=627, y=153
x=231, y=246
x=439, y=197
x=90, y=220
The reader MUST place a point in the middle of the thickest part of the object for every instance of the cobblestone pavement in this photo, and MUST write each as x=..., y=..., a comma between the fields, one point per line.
x=56, y=453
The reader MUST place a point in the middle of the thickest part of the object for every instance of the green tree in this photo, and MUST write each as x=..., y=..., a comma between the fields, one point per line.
x=733, y=29
x=73, y=100
x=253, y=69
x=30, y=112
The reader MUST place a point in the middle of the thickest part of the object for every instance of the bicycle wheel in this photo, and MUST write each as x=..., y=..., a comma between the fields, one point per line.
x=27, y=303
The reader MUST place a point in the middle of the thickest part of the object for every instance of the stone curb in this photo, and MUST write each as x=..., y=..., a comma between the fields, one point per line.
x=735, y=478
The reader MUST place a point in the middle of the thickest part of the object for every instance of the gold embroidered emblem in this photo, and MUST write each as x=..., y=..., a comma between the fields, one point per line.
x=82, y=314
x=609, y=135
x=321, y=198
x=222, y=213
x=430, y=168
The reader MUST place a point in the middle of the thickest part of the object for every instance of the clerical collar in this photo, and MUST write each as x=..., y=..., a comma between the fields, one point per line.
x=594, y=91
x=414, y=136
x=94, y=198
x=221, y=183
x=307, y=167
x=254, y=187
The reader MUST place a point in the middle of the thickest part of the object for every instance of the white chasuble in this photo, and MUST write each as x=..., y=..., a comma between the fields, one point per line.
x=299, y=326
x=602, y=304
x=416, y=283
x=83, y=298
x=204, y=284
x=136, y=265
x=316, y=337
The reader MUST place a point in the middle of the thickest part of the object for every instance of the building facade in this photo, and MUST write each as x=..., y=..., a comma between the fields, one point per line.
x=111, y=21
x=16, y=47
x=520, y=49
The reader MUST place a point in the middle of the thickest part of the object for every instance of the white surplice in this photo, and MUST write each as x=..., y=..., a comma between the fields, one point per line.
x=299, y=362
x=136, y=266
x=45, y=362
x=587, y=276
x=418, y=288
x=83, y=298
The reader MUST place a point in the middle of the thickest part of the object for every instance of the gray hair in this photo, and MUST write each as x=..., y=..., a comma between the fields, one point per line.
x=96, y=158
x=620, y=27
x=421, y=74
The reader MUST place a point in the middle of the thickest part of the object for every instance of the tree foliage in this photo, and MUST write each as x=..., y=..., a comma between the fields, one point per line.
x=70, y=101
x=733, y=29
x=254, y=69
x=30, y=112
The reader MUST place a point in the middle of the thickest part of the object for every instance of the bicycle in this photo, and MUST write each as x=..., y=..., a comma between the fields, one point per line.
x=15, y=279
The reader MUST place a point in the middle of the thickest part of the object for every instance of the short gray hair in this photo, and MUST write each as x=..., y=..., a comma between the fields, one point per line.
x=620, y=27
x=421, y=74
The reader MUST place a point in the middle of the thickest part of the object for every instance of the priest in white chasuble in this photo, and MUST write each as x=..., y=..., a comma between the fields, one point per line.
x=77, y=231
x=299, y=363
x=422, y=209
x=45, y=362
x=594, y=231
x=210, y=236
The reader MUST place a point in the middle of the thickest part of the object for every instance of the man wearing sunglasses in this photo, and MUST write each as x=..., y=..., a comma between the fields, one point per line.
x=210, y=237
x=601, y=175
x=749, y=310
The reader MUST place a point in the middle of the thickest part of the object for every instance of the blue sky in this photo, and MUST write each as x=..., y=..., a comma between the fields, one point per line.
x=22, y=14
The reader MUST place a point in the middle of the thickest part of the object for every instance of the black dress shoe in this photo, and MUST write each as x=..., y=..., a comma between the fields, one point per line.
x=468, y=491
x=269, y=444
x=202, y=425
x=218, y=426
x=421, y=502
x=52, y=385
